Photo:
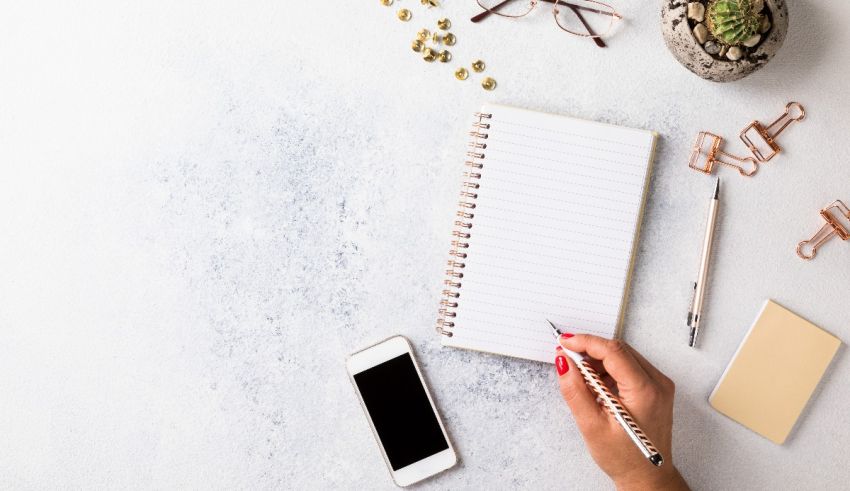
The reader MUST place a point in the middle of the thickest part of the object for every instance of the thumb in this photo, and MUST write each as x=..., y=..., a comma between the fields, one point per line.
x=577, y=394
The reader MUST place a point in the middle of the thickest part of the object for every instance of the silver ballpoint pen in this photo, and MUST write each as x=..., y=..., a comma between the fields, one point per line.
x=695, y=314
x=611, y=404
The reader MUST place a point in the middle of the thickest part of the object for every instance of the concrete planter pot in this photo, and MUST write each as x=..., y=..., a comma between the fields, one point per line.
x=679, y=37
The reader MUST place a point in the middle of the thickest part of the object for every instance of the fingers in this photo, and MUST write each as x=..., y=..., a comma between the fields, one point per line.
x=598, y=366
x=645, y=364
x=576, y=394
x=616, y=357
x=610, y=383
x=656, y=374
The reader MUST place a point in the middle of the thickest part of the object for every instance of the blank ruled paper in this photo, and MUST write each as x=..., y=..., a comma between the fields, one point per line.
x=553, y=233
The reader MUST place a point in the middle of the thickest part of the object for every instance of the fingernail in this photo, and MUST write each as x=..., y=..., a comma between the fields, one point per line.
x=567, y=335
x=561, y=365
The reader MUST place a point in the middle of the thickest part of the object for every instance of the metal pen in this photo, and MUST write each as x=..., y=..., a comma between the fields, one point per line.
x=695, y=314
x=610, y=402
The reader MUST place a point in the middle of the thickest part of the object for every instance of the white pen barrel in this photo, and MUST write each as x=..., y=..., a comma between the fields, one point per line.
x=699, y=292
x=613, y=405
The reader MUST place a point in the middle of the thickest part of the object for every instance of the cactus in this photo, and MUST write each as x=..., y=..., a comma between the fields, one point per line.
x=734, y=21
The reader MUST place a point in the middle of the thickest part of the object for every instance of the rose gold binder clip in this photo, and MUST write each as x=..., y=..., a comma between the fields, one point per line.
x=833, y=214
x=706, y=153
x=760, y=140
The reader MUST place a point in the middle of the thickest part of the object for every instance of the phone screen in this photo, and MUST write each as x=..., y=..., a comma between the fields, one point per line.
x=398, y=405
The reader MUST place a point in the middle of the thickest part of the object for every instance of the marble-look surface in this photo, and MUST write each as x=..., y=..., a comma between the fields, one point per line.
x=206, y=205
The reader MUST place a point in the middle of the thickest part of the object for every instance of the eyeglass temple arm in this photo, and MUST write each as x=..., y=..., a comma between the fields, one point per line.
x=585, y=8
x=486, y=13
x=596, y=39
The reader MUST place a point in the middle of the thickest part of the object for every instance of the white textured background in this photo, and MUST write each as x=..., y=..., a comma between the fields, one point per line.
x=205, y=206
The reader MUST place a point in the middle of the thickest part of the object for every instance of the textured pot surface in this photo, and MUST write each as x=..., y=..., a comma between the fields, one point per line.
x=681, y=42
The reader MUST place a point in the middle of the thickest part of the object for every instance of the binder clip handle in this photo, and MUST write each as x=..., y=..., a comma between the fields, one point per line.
x=824, y=234
x=746, y=166
x=761, y=140
x=831, y=228
x=794, y=111
x=706, y=152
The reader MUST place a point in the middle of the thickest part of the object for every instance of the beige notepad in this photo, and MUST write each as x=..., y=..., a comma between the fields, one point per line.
x=774, y=372
x=546, y=229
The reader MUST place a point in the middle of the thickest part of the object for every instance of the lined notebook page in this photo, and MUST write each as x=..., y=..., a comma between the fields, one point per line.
x=553, y=233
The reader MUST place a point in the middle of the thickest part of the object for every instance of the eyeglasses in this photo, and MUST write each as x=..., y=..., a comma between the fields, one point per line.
x=568, y=15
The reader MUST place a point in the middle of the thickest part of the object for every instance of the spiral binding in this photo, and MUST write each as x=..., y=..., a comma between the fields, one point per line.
x=463, y=224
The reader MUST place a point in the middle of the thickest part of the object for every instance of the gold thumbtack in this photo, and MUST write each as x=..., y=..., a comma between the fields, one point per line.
x=404, y=15
x=429, y=3
x=386, y=3
x=436, y=38
x=478, y=66
x=449, y=39
x=461, y=73
x=444, y=24
x=429, y=55
x=488, y=83
x=423, y=34
x=445, y=56
x=417, y=45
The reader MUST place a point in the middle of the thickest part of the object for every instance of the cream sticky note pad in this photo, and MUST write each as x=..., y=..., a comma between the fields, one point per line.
x=774, y=372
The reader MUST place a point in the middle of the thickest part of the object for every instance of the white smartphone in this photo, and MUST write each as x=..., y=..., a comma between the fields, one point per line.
x=400, y=411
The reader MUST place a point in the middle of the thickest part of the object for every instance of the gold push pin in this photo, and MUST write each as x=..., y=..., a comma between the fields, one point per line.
x=449, y=39
x=386, y=3
x=429, y=55
x=478, y=66
x=444, y=24
x=423, y=34
x=417, y=45
x=436, y=38
x=488, y=83
x=445, y=56
x=404, y=15
x=429, y=3
x=837, y=216
x=461, y=73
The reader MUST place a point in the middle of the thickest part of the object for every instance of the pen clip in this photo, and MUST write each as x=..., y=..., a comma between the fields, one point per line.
x=693, y=298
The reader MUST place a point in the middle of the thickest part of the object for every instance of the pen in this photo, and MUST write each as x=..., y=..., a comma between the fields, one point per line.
x=695, y=314
x=613, y=405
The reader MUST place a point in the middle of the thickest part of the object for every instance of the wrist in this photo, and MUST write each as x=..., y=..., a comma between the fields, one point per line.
x=654, y=479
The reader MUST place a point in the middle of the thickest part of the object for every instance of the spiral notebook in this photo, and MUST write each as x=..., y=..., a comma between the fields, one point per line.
x=546, y=228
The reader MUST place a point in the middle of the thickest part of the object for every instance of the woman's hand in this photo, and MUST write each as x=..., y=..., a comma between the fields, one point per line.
x=644, y=391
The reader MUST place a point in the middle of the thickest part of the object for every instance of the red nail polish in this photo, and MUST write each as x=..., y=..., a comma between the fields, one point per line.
x=561, y=365
x=567, y=335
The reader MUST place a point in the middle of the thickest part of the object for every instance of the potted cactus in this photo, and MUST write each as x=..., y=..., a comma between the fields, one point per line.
x=724, y=40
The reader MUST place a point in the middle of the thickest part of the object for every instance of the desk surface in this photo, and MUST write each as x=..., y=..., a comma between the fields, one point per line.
x=206, y=208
